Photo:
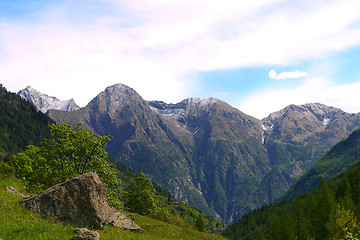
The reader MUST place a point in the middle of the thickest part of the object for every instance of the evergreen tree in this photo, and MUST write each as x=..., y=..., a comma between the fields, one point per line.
x=200, y=224
x=343, y=194
x=20, y=124
x=273, y=224
x=301, y=222
x=325, y=204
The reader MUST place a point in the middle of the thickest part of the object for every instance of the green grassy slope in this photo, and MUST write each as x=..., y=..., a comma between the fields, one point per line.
x=19, y=223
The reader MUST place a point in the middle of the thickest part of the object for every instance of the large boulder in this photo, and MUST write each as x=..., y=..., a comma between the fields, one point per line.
x=81, y=201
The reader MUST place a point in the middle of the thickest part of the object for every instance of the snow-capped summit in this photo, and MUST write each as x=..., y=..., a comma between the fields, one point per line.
x=44, y=102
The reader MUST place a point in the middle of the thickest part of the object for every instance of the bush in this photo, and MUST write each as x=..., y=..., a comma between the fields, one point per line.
x=162, y=214
x=6, y=168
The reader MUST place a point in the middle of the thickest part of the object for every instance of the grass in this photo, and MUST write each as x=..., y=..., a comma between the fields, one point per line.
x=17, y=222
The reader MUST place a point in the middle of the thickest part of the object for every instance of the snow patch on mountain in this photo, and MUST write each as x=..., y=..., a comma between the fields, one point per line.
x=326, y=121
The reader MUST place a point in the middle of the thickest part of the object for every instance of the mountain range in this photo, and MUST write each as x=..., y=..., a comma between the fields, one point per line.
x=208, y=153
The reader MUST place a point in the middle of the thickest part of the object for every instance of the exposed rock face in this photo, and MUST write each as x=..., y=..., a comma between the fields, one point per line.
x=14, y=190
x=44, y=102
x=81, y=201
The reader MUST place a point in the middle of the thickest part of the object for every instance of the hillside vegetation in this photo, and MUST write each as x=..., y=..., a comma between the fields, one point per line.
x=20, y=124
x=18, y=223
x=343, y=155
x=328, y=211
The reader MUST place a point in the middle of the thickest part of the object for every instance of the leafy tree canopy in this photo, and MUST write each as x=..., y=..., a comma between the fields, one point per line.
x=70, y=152
x=140, y=195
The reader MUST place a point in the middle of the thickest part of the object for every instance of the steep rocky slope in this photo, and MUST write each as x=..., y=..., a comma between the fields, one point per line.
x=297, y=136
x=208, y=153
x=228, y=159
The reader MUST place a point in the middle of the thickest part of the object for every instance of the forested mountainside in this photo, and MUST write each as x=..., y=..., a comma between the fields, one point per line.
x=208, y=153
x=343, y=155
x=20, y=124
x=322, y=212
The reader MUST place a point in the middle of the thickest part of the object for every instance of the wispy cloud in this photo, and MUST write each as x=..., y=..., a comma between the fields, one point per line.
x=154, y=45
x=286, y=75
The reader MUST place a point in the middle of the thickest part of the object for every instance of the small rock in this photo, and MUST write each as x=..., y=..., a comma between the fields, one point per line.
x=14, y=190
x=80, y=230
x=85, y=234
x=122, y=221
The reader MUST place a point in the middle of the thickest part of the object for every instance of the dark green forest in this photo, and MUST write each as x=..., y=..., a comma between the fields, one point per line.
x=328, y=211
x=20, y=124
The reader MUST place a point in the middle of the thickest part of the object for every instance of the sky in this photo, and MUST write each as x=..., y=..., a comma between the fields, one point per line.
x=259, y=56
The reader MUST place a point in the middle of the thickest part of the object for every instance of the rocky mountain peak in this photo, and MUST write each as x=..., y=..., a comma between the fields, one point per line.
x=117, y=94
x=312, y=112
x=44, y=102
x=193, y=101
x=185, y=106
x=117, y=97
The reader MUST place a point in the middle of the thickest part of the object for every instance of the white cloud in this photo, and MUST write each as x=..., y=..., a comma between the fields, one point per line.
x=155, y=46
x=273, y=74
x=286, y=75
x=311, y=90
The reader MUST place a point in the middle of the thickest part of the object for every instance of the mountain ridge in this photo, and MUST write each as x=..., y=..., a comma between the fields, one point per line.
x=44, y=102
x=208, y=153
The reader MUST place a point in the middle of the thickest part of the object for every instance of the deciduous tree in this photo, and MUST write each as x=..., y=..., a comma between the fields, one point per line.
x=70, y=152
x=140, y=195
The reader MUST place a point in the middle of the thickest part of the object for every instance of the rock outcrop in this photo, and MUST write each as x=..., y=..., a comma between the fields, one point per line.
x=15, y=191
x=85, y=234
x=81, y=201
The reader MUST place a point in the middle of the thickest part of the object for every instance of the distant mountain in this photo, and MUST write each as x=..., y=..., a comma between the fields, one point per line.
x=306, y=215
x=224, y=146
x=342, y=156
x=209, y=154
x=297, y=136
x=44, y=102
x=20, y=124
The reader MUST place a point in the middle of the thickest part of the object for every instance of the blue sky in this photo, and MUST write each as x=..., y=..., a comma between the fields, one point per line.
x=259, y=56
